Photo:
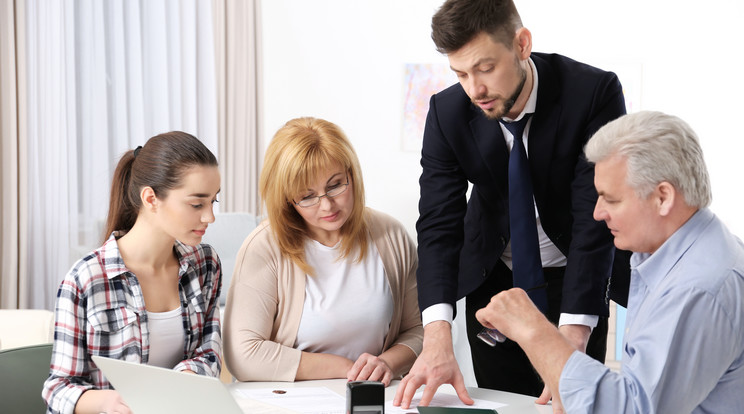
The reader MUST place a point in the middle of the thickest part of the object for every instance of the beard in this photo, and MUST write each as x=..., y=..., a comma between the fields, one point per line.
x=508, y=104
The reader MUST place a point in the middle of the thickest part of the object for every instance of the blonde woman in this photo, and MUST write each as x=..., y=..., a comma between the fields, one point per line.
x=325, y=287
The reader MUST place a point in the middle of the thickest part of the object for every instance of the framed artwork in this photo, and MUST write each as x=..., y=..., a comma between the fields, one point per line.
x=421, y=81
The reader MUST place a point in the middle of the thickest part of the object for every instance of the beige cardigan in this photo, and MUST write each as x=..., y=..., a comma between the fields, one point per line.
x=267, y=293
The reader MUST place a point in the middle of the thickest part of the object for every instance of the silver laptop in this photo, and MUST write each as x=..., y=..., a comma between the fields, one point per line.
x=148, y=389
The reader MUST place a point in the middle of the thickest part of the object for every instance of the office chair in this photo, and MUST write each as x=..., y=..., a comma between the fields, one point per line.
x=24, y=371
x=226, y=235
x=24, y=327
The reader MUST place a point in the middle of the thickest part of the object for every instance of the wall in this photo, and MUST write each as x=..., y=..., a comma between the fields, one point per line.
x=690, y=68
x=344, y=61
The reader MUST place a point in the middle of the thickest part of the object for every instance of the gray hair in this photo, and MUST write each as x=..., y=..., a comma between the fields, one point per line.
x=657, y=147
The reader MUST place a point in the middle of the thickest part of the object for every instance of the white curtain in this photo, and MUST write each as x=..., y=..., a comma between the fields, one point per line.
x=103, y=77
x=13, y=215
x=237, y=35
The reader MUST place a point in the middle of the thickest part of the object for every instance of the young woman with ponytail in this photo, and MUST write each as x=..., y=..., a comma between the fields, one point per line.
x=150, y=293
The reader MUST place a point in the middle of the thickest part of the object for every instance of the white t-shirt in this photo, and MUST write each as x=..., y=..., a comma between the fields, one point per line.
x=348, y=305
x=167, y=338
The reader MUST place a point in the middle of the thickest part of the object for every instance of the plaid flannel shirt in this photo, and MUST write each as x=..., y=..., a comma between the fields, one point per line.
x=100, y=310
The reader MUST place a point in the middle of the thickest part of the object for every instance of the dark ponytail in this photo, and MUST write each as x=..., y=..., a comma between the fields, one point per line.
x=160, y=164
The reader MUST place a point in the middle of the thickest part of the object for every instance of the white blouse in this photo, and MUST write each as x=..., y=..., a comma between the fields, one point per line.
x=166, y=338
x=348, y=305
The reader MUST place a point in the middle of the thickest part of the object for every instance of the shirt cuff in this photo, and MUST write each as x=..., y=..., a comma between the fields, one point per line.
x=438, y=312
x=580, y=382
x=575, y=319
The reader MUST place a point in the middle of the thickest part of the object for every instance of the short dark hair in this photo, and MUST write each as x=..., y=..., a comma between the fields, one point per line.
x=458, y=21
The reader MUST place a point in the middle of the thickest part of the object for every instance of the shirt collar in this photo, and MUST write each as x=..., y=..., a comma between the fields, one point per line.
x=185, y=255
x=114, y=264
x=653, y=268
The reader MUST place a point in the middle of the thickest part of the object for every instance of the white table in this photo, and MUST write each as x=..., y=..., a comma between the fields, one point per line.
x=517, y=403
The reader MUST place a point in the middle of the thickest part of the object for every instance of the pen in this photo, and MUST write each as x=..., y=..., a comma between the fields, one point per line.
x=493, y=336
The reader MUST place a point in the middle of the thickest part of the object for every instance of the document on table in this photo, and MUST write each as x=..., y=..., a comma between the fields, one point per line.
x=441, y=400
x=305, y=400
x=321, y=400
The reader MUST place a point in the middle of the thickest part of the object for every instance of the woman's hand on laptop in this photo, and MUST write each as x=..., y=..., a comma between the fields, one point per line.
x=101, y=401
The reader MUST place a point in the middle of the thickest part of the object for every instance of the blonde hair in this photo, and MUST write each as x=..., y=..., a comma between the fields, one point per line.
x=299, y=151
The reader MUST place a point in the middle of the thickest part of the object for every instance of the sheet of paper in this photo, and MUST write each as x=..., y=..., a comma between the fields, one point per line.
x=305, y=400
x=440, y=400
x=321, y=400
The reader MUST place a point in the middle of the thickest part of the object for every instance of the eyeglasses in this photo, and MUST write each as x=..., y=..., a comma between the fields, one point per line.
x=333, y=192
x=493, y=336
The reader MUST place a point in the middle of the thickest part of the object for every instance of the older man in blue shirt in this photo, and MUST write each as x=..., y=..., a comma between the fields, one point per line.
x=684, y=337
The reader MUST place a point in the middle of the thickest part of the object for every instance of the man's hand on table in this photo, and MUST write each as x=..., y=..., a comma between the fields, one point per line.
x=435, y=366
x=578, y=337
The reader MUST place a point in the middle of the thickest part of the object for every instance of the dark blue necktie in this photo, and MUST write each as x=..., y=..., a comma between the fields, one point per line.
x=526, y=264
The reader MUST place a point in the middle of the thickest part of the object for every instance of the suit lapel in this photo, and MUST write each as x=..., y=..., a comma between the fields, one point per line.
x=492, y=148
x=543, y=131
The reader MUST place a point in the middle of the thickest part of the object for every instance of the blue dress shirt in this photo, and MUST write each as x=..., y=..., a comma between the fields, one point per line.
x=684, y=337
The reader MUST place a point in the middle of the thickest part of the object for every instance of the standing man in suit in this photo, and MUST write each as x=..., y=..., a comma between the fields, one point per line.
x=465, y=246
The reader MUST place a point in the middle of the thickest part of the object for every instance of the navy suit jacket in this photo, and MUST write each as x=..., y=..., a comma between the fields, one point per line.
x=461, y=240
